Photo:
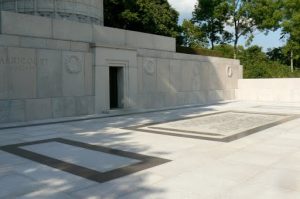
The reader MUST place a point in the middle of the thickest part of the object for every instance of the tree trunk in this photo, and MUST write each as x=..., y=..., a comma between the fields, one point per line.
x=292, y=61
x=235, y=48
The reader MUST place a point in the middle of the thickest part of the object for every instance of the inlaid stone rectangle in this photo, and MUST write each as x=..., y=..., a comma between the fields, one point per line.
x=220, y=126
x=93, y=162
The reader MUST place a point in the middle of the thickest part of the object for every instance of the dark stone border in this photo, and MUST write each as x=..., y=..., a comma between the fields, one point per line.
x=100, y=177
x=182, y=133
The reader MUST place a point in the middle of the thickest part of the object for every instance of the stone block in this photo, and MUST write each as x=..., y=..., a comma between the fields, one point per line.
x=38, y=109
x=22, y=72
x=4, y=111
x=101, y=89
x=82, y=105
x=69, y=30
x=80, y=46
x=89, y=74
x=58, y=44
x=175, y=75
x=31, y=42
x=9, y=40
x=109, y=36
x=149, y=74
x=23, y=24
x=3, y=74
x=57, y=107
x=73, y=74
x=163, y=75
x=164, y=43
x=49, y=75
x=69, y=106
x=139, y=40
x=17, y=111
x=91, y=105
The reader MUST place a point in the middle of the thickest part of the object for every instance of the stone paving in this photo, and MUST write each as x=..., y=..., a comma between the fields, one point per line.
x=264, y=165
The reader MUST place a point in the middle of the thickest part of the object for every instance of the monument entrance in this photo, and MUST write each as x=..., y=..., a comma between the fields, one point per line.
x=116, y=87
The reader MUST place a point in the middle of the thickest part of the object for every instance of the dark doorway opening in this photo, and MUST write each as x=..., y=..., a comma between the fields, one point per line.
x=116, y=87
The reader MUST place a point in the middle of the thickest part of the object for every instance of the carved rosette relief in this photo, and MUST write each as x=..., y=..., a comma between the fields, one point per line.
x=73, y=64
x=149, y=66
x=229, y=71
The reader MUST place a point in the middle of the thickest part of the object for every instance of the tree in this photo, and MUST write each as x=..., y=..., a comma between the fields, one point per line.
x=291, y=29
x=210, y=17
x=150, y=16
x=192, y=36
x=247, y=16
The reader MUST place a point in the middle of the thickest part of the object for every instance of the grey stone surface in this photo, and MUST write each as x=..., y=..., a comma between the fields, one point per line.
x=89, y=74
x=57, y=107
x=17, y=111
x=38, y=109
x=68, y=30
x=12, y=111
x=163, y=75
x=73, y=74
x=149, y=68
x=3, y=74
x=58, y=44
x=22, y=73
x=110, y=36
x=21, y=24
x=98, y=161
x=80, y=46
x=31, y=42
x=83, y=11
x=69, y=106
x=82, y=105
x=49, y=73
x=9, y=40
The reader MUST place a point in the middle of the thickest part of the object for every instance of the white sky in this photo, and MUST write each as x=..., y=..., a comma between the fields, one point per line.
x=184, y=7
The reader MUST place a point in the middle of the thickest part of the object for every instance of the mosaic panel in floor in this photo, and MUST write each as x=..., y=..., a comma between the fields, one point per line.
x=221, y=126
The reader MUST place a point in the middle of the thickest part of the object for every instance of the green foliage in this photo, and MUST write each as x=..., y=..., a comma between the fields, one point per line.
x=200, y=51
x=151, y=16
x=211, y=17
x=257, y=65
x=192, y=35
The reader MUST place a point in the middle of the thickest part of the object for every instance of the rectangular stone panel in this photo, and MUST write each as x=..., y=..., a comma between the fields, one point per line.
x=69, y=30
x=73, y=74
x=24, y=24
x=163, y=75
x=12, y=111
x=3, y=74
x=49, y=76
x=89, y=74
x=22, y=72
x=38, y=109
x=149, y=68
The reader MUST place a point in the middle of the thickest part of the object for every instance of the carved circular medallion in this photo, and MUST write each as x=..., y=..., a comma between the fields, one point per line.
x=149, y=66
x=73, y=64
x=229, y=71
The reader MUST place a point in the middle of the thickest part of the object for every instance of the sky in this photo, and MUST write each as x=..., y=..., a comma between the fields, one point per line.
x=186, y=7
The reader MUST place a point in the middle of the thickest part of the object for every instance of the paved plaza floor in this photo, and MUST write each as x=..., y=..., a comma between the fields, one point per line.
x=231, y=150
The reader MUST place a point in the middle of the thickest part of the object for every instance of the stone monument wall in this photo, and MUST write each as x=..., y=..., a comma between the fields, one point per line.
x=52, y=68
x=269, y=90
